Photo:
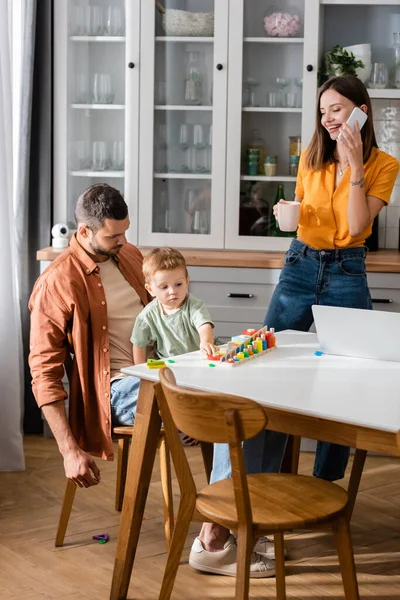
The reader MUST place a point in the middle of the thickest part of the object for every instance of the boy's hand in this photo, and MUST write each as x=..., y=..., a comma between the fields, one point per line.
x=208, y=348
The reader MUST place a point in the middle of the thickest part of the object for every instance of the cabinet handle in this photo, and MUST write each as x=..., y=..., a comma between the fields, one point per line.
x=131, y=65
x=382, y=300
x=309, y=68
x=219, y=67
x=240, y=295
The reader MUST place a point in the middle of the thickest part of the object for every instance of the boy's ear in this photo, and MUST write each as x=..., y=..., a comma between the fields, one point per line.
x=148, y=288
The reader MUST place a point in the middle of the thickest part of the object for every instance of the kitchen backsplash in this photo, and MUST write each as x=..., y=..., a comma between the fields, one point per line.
x=387, y=129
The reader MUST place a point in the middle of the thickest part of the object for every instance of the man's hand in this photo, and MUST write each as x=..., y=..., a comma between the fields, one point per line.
x=79, y=466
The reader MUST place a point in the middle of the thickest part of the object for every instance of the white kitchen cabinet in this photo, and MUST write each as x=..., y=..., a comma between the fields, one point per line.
x=181, y=161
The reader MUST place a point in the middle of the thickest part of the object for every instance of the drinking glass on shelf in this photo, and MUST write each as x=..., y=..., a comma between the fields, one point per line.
x=81, y=159
x=291, y=100
x=78, y=23
x=96, y=20
x=298, y=82
x=99, y=156
x=114, y=22
x=379, y=76
x=250, y=95
x=102, y=89
x=117, y=156
x=272, y=99
x=184, y=145
x=160, y=156
x=200, y=222
x=208, y=159
x=81, y=93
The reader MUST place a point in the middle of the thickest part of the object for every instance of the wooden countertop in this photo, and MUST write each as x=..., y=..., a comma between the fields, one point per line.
x=382, y=261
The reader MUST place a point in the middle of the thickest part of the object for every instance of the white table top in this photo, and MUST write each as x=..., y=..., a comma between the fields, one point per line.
x=361, y=392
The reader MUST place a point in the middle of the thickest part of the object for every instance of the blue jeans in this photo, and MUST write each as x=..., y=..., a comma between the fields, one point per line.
x=330, y=277
x=124, y=395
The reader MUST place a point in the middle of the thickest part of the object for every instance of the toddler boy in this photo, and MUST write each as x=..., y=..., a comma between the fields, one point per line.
x=175, y=320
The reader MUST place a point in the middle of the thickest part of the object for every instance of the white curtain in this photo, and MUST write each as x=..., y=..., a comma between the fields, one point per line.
x=11, y=367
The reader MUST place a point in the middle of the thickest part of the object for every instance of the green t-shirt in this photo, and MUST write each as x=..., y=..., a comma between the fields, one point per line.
x=173, y=334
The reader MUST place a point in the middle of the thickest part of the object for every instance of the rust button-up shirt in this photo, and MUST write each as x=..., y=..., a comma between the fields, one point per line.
x=67, y=297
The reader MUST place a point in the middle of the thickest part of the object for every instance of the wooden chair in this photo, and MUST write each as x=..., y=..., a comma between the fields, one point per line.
x=251, y=505
x=124, y=434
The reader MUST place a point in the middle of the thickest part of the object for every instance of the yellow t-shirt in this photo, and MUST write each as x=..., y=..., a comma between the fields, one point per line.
x=323, y=212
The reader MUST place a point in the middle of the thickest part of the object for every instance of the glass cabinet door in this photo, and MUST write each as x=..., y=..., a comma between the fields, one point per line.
x=265, y=133
x=90, y=99
x=183, y=78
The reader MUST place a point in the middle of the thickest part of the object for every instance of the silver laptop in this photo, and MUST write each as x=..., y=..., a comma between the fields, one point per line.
x=358, y=333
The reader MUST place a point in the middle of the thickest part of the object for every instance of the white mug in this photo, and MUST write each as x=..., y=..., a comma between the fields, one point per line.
x=288, y=215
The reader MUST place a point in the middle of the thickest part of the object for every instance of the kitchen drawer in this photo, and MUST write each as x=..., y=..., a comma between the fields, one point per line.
x=232, y=275
x=385, y=299
x=243, y=296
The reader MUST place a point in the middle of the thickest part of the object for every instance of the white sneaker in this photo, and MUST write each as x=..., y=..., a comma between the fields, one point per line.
x=223, y=562
x=265, y=547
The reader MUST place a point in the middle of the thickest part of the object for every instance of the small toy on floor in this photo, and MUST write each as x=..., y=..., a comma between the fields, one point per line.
x=246, y=346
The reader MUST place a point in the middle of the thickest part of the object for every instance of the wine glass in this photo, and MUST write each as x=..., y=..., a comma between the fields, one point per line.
x=281, y=83
x=184, y=145
x=298, y=82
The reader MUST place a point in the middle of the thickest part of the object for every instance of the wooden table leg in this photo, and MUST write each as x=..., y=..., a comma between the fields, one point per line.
x=290, y=463
x=142, y=454
x=355, y=478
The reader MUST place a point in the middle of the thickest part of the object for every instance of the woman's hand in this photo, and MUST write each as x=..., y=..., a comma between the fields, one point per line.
x=275, y=208
x=353, y=144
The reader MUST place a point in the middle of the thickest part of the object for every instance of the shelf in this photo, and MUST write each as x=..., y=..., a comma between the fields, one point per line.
x=181, y=107
x=187, y=39
x=384, y=94
x=265, y=178
x=97, y=38
x=182, y=175
x=106, y=174
x=274, y=40
x=265, y=109
x=360, y=2
x=99, y=106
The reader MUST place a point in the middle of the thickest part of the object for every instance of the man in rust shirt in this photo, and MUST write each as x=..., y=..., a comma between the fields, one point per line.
x=90, y=294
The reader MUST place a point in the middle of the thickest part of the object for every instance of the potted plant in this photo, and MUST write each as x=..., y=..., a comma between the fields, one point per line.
x=341, y=62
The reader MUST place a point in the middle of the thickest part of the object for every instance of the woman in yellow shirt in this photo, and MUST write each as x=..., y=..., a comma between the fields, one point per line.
x=342, y=185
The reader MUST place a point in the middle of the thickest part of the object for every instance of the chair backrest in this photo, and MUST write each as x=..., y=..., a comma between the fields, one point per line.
x=215, y=418
x=202, y=415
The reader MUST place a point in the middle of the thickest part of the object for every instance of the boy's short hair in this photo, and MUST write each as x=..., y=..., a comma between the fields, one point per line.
x=162, y=259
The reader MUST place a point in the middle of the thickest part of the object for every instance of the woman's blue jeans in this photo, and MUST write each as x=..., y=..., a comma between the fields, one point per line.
x=329, y=277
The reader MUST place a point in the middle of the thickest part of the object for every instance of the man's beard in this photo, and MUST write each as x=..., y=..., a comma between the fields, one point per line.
x=99, y=250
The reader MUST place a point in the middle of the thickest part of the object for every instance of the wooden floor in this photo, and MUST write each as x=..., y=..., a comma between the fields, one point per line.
x=33, y=569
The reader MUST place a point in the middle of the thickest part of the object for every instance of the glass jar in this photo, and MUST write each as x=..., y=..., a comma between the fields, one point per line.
x=194, y=79
x=282, y=21
x=293, y=165
x=257, y=143
x=294, y=145
x=270, y=165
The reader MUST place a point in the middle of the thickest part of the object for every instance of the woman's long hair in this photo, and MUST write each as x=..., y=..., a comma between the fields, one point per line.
x=321, y=150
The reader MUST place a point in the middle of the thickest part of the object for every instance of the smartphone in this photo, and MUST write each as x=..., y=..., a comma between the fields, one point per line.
x=356, y=115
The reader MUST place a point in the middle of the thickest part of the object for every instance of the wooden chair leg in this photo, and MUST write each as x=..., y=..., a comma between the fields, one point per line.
x=123, y=456
x=207, y=451
x=341, y=529
x=68, y=501
x=355, y=478
x=166, y=485
x=290, y=463
x=174, y=553
x=245, y=544
x=280, y=566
